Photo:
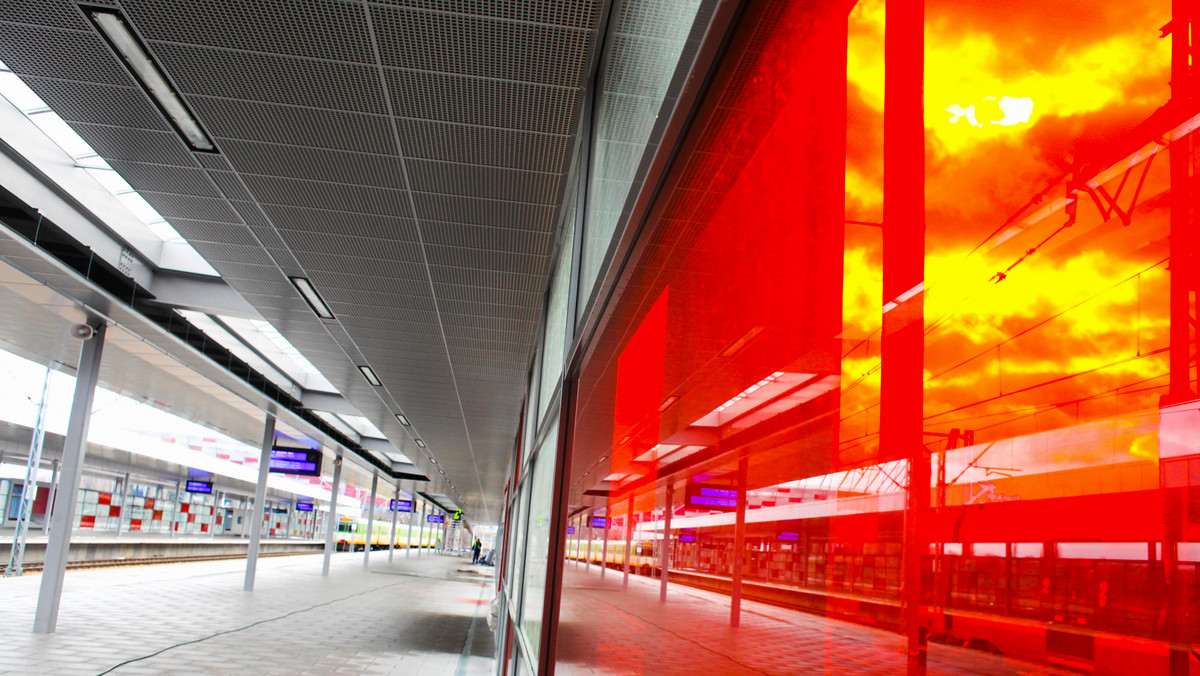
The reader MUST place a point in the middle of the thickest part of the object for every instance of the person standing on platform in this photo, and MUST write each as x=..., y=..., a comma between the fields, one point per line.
x=475, y=549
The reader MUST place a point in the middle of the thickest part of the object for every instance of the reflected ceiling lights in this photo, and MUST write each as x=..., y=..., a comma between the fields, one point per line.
x=150, y=76
x=313, y=298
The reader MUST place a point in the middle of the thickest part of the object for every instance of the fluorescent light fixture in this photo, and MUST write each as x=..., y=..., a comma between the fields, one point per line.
x=422, y=445
x=402, y=419
x=369, y=374
x=113, y=26
x=313, y=298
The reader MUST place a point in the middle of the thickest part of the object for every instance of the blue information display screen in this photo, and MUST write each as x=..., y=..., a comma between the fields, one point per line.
x=687, y=538
x=570, y=530
x=599, y=522
x=304, y=507
x=401, y=505
x=435, y=518
x=708, y=496
x=199, y=487
x=302, y=461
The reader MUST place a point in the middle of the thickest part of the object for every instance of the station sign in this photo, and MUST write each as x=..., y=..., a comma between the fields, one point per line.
x=301, y=461
x=401, y=506
x=199, y=487
x=711, y=496
x=435, y=518
x=599, y=522
x=304, y=506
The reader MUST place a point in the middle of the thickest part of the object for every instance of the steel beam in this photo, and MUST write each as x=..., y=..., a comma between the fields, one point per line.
x=260, y=501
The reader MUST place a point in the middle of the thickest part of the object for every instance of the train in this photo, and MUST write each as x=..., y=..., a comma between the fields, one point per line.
x=1077, y=582
x=351, y=535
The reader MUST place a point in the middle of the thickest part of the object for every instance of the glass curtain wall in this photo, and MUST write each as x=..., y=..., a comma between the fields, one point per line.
x=857, y=403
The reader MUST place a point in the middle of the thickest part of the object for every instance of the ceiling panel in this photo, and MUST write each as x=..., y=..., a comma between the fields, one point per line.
x=409, y=162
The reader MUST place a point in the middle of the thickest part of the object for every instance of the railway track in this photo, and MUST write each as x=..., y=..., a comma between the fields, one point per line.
x=154, y=560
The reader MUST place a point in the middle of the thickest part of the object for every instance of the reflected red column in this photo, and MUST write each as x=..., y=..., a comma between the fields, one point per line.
x=903, y=285
x=665, y=551
x=1183, y=282
x=628, y=541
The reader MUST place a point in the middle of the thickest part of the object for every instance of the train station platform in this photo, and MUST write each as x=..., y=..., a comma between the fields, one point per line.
x=425, y=615
x=690, y=634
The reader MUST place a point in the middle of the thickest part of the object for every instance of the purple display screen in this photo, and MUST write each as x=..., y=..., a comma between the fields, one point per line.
x=790, y=537
x=199, y=487
x=401, y=505
x=304, y=507
x=302, y=461
x=687, y=538
x=435, y=518
x=711, y=497
x=599, y=522
x=570, y=530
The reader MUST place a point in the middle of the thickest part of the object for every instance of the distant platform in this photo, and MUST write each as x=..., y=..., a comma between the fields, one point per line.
x=103, y=546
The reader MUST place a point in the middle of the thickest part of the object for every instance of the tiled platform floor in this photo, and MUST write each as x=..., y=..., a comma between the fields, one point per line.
x=604, y=630
x=415, y=616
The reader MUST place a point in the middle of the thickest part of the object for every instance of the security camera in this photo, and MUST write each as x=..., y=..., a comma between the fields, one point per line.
x=82, y=331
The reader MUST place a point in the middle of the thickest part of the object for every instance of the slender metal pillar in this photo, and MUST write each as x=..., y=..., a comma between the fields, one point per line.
x=54, y=465
x=395, y=514
x=29, y=492
x=421, y=531
x=63, y=511
x=121, y=504
x=175, y=506
x=664, y=556
x=628, y=541
x=739, y=545
x=604, y=544
x=331, y=526
x=412, y=512
x=260, y=500
x=370, y=520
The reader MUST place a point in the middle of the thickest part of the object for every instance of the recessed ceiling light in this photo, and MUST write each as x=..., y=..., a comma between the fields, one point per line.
x=422, y=445
x=402, y=419
x=313, y=298
x=369, y=374
x=150, y=76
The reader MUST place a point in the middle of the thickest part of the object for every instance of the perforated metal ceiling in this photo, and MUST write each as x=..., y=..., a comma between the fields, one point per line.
x=406, y=156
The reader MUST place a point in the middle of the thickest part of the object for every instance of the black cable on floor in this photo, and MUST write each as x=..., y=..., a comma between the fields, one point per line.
x=248, y=626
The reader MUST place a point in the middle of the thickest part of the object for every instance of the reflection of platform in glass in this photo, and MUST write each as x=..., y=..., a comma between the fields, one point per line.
x=690, y=634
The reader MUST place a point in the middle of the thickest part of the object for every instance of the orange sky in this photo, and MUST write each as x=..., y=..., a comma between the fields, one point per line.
x=1092, y=71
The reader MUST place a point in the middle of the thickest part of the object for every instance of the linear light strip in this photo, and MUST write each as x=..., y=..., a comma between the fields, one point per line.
x=151, y=77
x=311, y=296
x=369, y=374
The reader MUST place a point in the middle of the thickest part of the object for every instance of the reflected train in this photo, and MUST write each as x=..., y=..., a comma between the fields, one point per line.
x=1076, y=582
x=351, y=535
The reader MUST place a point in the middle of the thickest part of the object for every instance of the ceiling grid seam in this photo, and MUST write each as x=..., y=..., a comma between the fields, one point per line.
x=387, y=97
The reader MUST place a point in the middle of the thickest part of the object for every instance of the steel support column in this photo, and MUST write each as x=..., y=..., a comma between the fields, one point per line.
x=903, y=293
x=370, y=521
x=628, y=541
x=260, y=501
x=331, y=526
x=604, y=543
x=63, y=511
x=395, y=514
x=412, y=512
x=739, y=544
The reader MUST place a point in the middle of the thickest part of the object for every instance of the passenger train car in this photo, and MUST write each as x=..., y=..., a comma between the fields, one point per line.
x=351, y=535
